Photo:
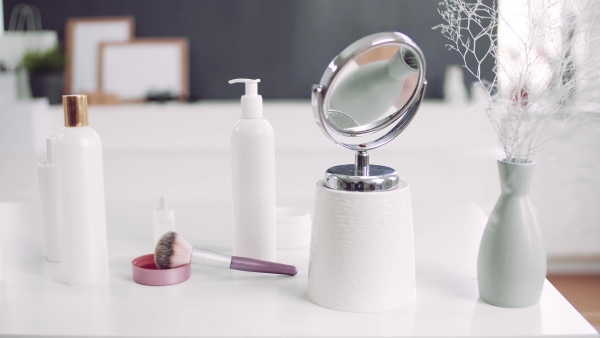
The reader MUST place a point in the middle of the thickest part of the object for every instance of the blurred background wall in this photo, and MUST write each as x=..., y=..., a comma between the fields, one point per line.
x=287, y=44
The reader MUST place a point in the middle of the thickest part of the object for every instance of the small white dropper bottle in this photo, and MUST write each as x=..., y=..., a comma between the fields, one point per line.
x=253, y=179
x=163, y=220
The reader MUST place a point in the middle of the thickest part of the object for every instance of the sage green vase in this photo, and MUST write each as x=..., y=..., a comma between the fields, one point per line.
x=511, y=266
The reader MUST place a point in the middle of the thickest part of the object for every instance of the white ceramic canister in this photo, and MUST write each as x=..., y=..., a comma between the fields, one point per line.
x=362, y=249
x=80, y=197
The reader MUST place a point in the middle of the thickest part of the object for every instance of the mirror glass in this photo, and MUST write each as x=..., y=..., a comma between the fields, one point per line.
x=373, y=88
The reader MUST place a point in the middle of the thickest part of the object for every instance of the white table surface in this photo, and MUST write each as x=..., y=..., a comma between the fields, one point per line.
x=224, y=303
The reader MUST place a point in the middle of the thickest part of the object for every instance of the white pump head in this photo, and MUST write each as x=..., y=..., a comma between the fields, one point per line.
x=251, y=101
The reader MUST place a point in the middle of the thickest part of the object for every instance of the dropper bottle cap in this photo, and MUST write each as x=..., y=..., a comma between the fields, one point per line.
x=76, y=110
x=251, y=101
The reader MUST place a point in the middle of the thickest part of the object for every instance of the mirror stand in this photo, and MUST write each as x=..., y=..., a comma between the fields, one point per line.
x=361, y=163
x=362, y=247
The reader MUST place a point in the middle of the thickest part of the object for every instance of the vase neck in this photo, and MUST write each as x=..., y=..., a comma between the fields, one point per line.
x=515, y=178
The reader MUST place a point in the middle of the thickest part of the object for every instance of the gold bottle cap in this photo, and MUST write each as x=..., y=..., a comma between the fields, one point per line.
x=76, y=110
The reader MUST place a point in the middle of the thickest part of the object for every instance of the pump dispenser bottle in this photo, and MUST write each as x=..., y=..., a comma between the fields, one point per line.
x=80, y=197
x=253, y=179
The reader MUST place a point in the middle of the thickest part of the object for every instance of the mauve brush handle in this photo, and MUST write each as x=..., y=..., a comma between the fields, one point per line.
x=256, y=265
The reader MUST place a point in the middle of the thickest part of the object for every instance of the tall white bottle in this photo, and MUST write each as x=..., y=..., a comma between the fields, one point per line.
x=80, y=195
x=253, y=179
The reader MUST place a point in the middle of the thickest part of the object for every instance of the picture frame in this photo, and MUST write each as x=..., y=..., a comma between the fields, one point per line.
x=127, y=72
x=83, y=39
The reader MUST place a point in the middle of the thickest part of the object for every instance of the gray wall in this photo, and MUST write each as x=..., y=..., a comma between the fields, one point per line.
x=287, y=44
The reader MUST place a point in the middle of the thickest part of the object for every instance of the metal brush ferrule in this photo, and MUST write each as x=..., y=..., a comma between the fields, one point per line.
x=210, y=258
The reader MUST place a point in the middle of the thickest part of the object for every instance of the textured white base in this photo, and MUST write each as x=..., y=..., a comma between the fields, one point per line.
x=362, y=250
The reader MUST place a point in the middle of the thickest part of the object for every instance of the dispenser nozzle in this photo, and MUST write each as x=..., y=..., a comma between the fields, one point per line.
x=251, y=101
x=251, y=85
x=163, y=203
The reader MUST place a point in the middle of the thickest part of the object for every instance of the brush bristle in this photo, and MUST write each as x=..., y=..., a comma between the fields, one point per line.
x=172, y=251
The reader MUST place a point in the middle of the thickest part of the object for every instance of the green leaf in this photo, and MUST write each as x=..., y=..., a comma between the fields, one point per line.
x=49, y=61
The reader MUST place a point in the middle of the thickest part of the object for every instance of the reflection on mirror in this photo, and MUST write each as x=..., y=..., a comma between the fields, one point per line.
x=372, y=87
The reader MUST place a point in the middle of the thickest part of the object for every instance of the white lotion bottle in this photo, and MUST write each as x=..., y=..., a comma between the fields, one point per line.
x=80, y=197
x=253, y=179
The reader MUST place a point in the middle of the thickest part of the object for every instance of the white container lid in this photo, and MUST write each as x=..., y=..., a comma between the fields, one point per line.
x=293, y=227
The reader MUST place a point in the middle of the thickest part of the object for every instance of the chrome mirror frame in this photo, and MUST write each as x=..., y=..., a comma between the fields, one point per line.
x=402, y=116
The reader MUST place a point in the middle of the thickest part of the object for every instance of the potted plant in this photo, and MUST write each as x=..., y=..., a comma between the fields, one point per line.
x=46, y=73
x=546, y=78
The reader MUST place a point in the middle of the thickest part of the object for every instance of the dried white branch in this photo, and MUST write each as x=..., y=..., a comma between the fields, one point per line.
x=549, y=75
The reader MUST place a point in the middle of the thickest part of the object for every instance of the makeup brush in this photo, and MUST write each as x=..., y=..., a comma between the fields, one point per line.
x=173, y=251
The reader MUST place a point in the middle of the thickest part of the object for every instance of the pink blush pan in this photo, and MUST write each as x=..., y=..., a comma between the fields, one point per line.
x=146, y=272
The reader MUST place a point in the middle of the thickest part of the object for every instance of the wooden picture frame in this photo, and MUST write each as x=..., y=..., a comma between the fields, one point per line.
x=130, y=70
x=82, y=40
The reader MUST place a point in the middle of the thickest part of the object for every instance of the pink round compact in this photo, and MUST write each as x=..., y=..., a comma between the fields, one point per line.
x=146, y=272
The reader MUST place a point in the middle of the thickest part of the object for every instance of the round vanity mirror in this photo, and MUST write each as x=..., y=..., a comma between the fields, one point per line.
x=373, y=87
